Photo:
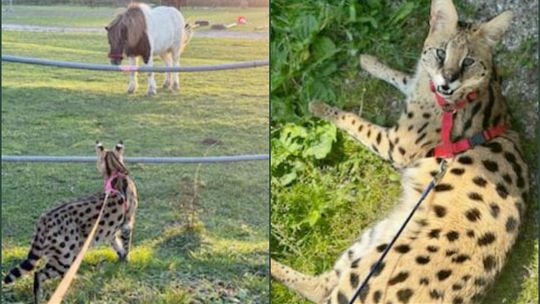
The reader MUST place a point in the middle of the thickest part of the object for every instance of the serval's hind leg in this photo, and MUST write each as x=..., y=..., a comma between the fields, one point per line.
x=313, y=288
x=400, y=80
x=51, y=270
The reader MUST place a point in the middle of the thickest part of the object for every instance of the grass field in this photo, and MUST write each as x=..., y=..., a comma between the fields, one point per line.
x=326, y=188
x=49, y=111
x=77, y=16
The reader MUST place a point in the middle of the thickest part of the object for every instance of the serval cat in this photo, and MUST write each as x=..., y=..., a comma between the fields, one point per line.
x=458, y=240
x=61, y=231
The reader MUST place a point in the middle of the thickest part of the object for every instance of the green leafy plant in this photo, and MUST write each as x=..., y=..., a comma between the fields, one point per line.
x=315, y=45
x=293, y=144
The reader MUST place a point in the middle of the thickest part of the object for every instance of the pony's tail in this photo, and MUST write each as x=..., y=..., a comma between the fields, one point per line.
x=188, y=34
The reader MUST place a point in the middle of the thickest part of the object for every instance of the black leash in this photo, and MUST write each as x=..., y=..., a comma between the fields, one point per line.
x=434, y=181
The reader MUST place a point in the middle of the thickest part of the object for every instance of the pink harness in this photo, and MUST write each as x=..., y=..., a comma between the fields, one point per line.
x=109, y=188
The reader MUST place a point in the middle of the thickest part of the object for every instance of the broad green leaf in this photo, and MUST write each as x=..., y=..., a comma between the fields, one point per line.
x=352, y=13
x=305, y=27
x=403, y=12
x=313, y=217
x=323, y=47
x=394, y=177
x=321, y=146
x=369, y=20
x=288, y=178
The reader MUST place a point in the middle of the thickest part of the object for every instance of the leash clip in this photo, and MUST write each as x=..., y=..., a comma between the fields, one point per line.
x=448, y=107
x=442, y=170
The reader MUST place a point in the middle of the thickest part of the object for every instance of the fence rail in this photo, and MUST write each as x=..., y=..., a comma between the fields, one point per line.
x=154, y=160
x=127, y=68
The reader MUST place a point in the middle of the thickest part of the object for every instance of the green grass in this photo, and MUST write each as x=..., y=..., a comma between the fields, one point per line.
x=82, y=16
x=50, y=111
x=320, y=202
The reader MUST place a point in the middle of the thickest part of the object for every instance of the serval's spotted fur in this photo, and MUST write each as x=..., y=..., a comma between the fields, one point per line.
x=61, y=232
x=458, y=240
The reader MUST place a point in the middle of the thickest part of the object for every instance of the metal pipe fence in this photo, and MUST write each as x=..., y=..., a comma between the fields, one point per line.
x=127, y=68
x=142, y=159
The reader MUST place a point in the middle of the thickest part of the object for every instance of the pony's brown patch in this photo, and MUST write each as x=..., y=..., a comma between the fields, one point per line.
x=127, y=33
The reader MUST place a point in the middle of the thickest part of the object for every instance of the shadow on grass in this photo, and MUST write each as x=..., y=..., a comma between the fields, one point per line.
x=181, y=243
x=203, y=254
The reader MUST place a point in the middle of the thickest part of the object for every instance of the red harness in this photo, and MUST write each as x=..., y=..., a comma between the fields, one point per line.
x=110, y=189
x=447, y=149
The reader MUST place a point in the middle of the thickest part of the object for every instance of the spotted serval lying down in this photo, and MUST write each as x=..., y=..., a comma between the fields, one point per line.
x=61, y=232
x=458, y=240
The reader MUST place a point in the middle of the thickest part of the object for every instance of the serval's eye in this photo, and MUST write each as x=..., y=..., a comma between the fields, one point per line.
x=467, y=62
x=441, y=54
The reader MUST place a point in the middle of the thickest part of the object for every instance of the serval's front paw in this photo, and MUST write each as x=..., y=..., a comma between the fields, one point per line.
x=122, y=257
x=321, y=110
x=368, y=62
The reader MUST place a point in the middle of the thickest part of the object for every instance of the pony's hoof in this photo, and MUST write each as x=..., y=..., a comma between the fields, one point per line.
x=176, y=87
x=131, y=89
x=166, y=85
x=151, y=92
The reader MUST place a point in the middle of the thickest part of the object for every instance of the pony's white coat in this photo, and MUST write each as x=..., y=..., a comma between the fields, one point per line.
x=165, y=31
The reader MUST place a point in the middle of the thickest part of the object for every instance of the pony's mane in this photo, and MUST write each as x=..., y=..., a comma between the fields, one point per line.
x=133, y=20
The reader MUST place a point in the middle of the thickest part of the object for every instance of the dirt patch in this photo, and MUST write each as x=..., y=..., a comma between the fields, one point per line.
x=211, y=141
x=58, y=29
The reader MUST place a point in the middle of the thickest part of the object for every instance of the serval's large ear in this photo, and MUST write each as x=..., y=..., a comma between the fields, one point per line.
x=119, y=151
x=100, y=160
x=100, y=150
x=443, y=16
x=493, y=30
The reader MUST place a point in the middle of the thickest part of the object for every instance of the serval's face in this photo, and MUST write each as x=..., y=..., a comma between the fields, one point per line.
x=458, y=57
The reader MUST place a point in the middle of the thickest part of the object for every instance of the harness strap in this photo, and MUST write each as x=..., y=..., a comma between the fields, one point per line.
x=447, y=148
x=468, y=143
x=110, y=189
